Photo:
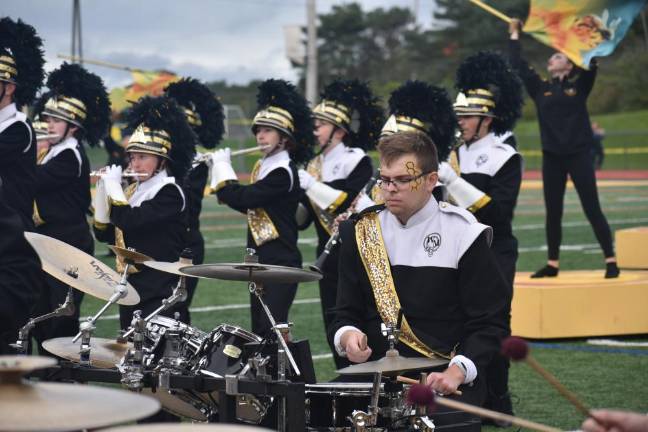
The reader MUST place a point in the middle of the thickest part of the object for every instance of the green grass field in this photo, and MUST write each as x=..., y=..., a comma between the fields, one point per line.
x=603, y=378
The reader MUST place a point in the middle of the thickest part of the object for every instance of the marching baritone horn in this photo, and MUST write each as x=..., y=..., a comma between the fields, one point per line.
x=204, y=157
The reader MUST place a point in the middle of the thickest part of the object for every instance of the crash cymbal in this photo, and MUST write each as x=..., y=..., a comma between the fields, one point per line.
x=24, y=364
x=392, y=364
x=251, y=272
x=104, y=353
x=187, y=427
x=78, y=269
x=168, y=267
x=130, y=254
x=43, y=406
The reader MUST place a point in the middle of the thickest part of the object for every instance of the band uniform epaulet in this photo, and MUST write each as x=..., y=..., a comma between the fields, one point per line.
x=369, y=210
x=460, y=212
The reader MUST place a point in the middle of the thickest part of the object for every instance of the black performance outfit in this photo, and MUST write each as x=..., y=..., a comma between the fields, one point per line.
x=18, y=163
x=347, y=170
x=274, y=189
x=441, y=266
x=567, y=140
x=61, y=206
x=21, y=278
x=152, y=223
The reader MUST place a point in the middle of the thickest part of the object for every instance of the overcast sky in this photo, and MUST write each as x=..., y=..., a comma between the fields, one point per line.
x=232, y=40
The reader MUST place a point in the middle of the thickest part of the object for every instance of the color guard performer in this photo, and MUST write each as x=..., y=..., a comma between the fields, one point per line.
x=77, y=110
x=148, y=215
x=347, y=123
x=205, y=116
x=21, y=75
x=430, y=260
x=488, y=184
x=284, y=127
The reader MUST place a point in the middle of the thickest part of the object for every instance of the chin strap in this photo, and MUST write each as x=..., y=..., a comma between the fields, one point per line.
x=476, y=136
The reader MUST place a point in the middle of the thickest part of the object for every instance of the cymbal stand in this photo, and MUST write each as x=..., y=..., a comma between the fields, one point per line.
x=420, y=421
x=66, y=308
x=392, y=332
x=365, y=420
x=131, y=366
x=121, y=290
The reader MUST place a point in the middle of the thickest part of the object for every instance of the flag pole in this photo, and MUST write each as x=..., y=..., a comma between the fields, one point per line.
x=100, y=63
x=491, y=9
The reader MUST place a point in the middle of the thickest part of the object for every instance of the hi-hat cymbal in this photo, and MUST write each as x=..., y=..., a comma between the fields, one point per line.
x=168, y=267
x=392, y=364
x=187, y=427
x=251, y=272
x=43, y=406
x=104, y=353
x=78, y=269
x=130, y=255
x=24, y=364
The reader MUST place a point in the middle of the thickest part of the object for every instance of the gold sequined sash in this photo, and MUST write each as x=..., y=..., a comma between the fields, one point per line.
x=119, y=237
x=36, y=217
x=261, y=226
x=376, y=263
x=326, y=219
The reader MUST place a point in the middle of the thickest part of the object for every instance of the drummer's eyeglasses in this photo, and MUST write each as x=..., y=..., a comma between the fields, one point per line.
x=398, y=182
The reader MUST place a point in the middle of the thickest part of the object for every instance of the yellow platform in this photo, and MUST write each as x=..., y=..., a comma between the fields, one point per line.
x=632, y=247
x=580, y=304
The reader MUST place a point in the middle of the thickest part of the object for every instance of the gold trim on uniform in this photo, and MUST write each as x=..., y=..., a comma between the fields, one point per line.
x=326, y=219
x=479, y=204
x=371, y=248
x=338, y=202
x=261, y=226
x=100, y=225
x=120, y=265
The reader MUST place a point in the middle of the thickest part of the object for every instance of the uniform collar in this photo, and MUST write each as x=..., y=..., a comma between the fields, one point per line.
x=152, y=182
x=485, y=141
x=335, y=152
x=275, y=158
x=8, y=112
x=428, y=211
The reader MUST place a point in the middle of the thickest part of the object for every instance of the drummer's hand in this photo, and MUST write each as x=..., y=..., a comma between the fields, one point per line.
x=624, y=421
x=446, y=382
x=354, y=343
x=514, y=28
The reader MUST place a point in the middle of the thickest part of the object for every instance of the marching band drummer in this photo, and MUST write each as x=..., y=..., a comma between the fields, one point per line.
x=284, y=127
x=148, y=214
x=21, y=75
x=347, y=123
x=76, y=109
x=205, y=116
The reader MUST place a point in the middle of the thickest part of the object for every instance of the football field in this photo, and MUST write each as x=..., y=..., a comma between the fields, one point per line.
x=603, y=376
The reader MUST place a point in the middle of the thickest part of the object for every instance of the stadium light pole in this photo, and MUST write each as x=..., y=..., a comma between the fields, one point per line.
x=77, y=46
x=311, y=65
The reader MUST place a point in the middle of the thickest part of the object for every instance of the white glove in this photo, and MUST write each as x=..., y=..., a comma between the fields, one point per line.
x=446, y=174
x=113, y=172
x=305, y=179
x=112, y=182
x=221, y=169
x=100, y=204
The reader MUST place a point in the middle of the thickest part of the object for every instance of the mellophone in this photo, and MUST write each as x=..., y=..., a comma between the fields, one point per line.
x=227, y=374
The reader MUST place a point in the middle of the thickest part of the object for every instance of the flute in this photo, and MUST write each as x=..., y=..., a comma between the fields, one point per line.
x=204, y=157
x=126, y=173
x=46, y=137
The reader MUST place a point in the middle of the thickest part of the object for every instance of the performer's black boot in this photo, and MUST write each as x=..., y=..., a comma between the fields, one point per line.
x=546, y=271
x=611, y=270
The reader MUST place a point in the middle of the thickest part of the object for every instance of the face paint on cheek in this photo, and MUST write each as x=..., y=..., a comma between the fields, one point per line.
x=410, y=166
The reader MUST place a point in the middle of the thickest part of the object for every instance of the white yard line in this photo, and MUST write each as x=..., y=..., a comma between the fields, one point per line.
x=611, y=342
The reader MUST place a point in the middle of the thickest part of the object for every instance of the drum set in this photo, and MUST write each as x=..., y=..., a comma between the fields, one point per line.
x=226, y=375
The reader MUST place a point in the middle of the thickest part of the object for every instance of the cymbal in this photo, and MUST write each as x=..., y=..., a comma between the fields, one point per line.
x=44, y=406
x=104, y=353
x=25, y=364
x=186, y=427
x=78, y=269
x=250, y=272
x=392, y=364
x=168, y=267
x=130, y=255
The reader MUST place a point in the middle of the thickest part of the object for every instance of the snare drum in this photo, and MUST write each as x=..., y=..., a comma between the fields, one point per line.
x=172, y=343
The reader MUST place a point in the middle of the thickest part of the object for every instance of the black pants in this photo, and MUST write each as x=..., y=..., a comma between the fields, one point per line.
x=554, y=179
x=279, y=298
x=328, y=294
x=197, y=246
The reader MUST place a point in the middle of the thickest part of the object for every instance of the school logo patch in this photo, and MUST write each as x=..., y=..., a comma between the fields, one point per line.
x=481, y=160
x=336, y=168
x=432, y=243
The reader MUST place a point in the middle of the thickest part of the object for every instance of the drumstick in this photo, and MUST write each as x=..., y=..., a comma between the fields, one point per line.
x=406, y=380
x=420, y=394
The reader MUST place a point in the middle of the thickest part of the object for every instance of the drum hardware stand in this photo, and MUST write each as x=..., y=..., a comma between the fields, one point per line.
x=66, y=308
x=121, y=290
x=131, y=367
x=421, y=421
x=363, y=421
x=86, y=329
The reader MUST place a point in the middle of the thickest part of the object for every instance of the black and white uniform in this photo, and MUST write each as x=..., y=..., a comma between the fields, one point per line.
x=194, y=189
x=18, y=162
x=277, y=191
x=152, y=223
x=61, y=207
x=347, y=170
x=21, y=278
x=567, y=141
x=495, y=168
x=441, y=265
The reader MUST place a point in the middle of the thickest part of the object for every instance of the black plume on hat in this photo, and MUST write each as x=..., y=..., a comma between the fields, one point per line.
x=282, y=94
x=164, y=113
x=432, y=106
x=491, y=71
x=72, y=80
x=195, y=96
x=364, y=109
x=20, y=41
